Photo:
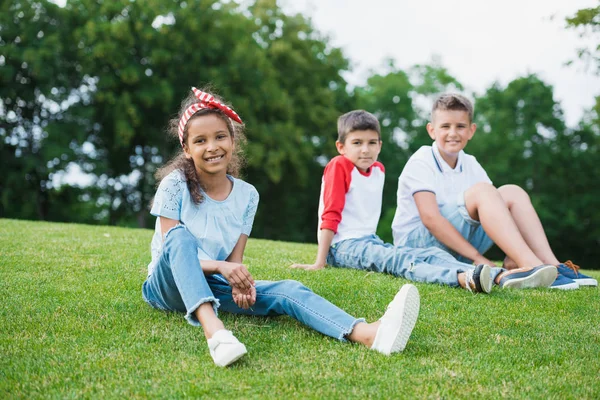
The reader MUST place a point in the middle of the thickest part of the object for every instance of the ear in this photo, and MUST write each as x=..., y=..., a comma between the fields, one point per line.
x=340, y=147
x=473, y=129
x=431, y=130
x=186, y=151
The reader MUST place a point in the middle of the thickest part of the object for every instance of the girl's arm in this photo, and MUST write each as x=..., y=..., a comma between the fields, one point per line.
x=237, y=255
x=443, y=230
x=244, y=298
x=234, y=271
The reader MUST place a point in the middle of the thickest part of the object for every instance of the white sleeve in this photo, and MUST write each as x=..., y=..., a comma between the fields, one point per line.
x=479, y=173
x=417, y=176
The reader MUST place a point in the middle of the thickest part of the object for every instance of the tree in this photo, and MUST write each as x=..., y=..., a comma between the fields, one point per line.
x=39, y=81
x=393, y=98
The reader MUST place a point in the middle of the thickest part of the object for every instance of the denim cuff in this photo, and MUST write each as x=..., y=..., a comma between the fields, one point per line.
x=191, y=317
x=343, y=335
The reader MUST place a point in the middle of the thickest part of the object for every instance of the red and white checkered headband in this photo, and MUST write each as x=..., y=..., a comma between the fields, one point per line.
x=205, y=101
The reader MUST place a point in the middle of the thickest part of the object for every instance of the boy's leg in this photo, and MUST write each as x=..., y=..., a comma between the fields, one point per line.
x=528, y=222
x=431, y=265
x=485, y=204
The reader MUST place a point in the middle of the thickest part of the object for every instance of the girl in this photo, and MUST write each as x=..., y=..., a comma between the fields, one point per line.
x=204, y=216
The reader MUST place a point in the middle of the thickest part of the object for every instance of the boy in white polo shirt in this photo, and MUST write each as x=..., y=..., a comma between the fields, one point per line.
x=349, y=210
x=446, y=199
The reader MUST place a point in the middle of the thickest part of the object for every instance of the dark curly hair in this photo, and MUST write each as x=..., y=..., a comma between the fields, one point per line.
x=186, y=165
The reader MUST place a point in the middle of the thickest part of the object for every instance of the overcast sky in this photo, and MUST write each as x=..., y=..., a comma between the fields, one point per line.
x=478, y=41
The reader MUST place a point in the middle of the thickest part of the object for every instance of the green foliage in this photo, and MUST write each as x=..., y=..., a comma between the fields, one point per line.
x=73, y=325
x=587, y=22
x=38, y=75
x=106, y=76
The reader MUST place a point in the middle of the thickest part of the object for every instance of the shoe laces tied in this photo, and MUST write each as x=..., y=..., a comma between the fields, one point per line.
x=469, y=280
x=572, y=265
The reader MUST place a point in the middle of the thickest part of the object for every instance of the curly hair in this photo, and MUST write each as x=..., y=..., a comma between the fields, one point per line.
x=186, y=165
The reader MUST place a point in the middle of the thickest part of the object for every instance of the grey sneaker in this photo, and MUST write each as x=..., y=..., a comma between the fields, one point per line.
x=398, y=321
x=541, y=276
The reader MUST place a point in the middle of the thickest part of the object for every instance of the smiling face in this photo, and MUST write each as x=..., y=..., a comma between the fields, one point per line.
x=451, y=130
x=209, y=144
x=361, y=147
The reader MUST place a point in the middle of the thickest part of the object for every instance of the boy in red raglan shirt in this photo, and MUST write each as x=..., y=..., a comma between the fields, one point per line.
x=349, y=210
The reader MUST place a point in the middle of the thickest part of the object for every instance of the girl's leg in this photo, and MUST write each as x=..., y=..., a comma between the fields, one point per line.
x=292, y=298
x=485, y=204
x=179, y=284
x=528, y=222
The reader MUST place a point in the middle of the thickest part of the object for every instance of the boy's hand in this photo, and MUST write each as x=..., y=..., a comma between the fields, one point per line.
x=244, y=298
x=236, y=274
x=308, y=267
x=483, y=260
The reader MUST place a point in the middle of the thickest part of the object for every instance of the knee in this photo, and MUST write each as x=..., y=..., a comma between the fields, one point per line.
x=481, y=189
x=181, y=235
x=513, y=194
x=288, y=288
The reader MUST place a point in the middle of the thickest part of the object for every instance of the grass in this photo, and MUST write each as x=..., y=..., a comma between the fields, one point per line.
x=73, y=324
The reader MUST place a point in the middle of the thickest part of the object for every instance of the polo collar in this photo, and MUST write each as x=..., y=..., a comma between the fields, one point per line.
x=442, y=165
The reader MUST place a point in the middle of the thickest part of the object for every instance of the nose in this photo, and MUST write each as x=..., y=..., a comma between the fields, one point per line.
x=364, y=148
x=211, y=145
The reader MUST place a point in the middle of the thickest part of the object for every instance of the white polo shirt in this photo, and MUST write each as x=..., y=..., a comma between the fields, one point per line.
x=426, y=171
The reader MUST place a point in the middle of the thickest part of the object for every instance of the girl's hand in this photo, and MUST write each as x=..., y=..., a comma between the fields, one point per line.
x=236, y=274
x=308, y=267
x=244, y=299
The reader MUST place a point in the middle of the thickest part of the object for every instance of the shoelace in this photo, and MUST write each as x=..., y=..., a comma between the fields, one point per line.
x=469, y=280
x=573, y=266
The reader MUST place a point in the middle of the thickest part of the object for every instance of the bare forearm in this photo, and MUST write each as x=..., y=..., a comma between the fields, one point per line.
x=446, y=233
x=325, y=239
x=210, y=267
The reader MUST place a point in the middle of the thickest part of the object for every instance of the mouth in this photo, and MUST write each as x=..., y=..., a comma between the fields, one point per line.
x=215, y=158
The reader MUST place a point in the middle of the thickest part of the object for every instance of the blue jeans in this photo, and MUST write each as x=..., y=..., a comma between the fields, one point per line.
x=369, y=253
x=459, y=217
x=179, y=284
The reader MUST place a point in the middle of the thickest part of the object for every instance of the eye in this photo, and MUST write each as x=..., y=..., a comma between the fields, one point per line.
x=199, y=140
x=221, y=136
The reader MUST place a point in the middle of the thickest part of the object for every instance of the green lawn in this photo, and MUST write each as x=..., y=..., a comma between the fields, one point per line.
x=73, y=324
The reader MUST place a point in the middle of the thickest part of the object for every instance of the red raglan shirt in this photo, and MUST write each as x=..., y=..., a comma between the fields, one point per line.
x=350, y=201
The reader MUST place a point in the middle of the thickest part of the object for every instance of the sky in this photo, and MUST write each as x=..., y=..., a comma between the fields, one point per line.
x=479, y=41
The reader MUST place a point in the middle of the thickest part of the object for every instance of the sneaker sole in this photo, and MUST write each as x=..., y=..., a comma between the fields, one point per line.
x=485, y=279
x=586, y=282
x=231, y=356
x=411, y=301
x=568, y=286
x=543, y=277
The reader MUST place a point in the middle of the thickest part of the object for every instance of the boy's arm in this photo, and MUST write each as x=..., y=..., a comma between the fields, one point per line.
x=336, y=181
x=443, y=230
x=325, y=238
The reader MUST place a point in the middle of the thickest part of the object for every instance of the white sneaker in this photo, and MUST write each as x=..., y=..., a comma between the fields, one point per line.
x=225, y=348
x=398, y=321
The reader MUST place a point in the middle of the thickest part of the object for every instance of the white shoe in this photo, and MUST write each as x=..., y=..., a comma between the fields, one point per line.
x=225, y=348
x=398, y=321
